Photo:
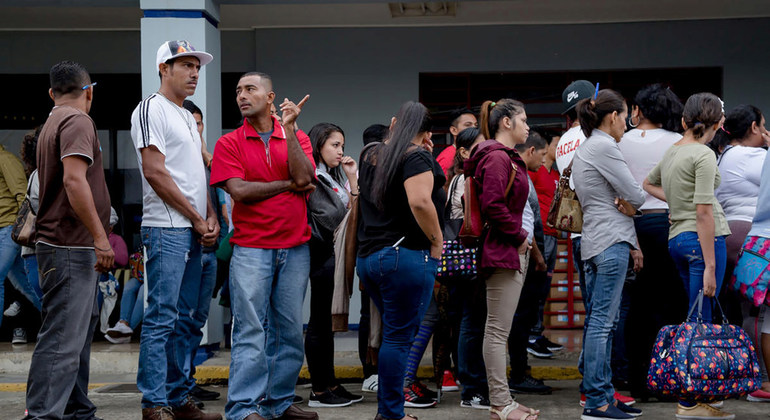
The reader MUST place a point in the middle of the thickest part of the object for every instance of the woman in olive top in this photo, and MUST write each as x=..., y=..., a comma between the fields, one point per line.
x=686, y=177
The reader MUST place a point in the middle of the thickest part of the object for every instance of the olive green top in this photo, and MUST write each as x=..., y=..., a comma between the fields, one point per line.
x=689, y=175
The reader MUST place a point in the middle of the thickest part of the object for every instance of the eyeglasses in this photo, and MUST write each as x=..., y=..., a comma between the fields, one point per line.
x=88, y=86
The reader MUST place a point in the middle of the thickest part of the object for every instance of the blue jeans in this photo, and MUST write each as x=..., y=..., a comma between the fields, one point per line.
x=266, y=284
x=12, y=266
x=201, y=304
x=605, y=275
x=471, y=370
x=132, y=303
x=400, y=283
x=33, y=277
x=173, y=272
x=686, y=251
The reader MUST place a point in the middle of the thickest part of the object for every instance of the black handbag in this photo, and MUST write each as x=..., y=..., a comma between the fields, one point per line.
x=326, y=211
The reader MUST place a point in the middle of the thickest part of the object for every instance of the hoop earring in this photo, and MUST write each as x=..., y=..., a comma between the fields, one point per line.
x=631, y=122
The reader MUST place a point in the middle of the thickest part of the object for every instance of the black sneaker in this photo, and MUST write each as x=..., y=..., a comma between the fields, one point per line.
x=538, y=349
x=550, y=345
x=327, y=399
x=413, y=400
x=477, y=401
x=611, y=413
x=529, y=385
x=297, y=399
x=204, y=394
x=629, y=410
x=422, y=390
x=340, y=391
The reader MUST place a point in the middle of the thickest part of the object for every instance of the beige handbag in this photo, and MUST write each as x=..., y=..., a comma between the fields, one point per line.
x=565, y=212
x=24, y=231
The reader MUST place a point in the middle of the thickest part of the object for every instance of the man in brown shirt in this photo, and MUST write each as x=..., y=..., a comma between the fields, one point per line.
x=72, y=246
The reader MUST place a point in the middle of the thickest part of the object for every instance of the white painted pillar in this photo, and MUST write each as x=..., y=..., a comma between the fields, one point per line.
x=194, y=21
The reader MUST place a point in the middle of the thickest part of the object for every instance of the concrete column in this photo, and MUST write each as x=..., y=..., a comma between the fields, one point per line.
x=195, y=21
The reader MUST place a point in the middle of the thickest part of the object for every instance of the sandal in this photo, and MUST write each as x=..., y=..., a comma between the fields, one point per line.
x=503, y=414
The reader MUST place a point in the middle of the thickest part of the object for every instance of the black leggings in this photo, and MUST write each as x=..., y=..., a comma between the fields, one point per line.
x=319, y=339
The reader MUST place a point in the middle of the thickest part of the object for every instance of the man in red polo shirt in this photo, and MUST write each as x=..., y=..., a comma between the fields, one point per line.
x=267, y=168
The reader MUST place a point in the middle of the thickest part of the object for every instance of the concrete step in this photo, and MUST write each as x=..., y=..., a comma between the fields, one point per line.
x=122, y=359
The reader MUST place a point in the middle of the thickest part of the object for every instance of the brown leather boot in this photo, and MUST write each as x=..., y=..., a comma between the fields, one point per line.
x=295, y=413
x=157, y=413
x=190, y=411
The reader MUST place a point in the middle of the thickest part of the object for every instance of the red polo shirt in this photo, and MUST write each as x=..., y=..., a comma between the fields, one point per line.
x=545, y=182
x=279, y=221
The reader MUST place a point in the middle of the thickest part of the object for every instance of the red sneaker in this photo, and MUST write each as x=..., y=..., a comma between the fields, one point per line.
x=622, y=398
x=448, y=384
x=759, y=396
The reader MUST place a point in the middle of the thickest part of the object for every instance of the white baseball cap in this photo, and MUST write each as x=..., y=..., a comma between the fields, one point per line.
x=174, y=49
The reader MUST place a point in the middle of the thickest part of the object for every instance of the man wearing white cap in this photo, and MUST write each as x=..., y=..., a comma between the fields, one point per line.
x=177, y=219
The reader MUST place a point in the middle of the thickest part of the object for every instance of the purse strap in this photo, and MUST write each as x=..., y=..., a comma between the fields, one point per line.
x=699, y=304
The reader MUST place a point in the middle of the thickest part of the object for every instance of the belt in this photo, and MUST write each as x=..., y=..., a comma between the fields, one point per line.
x=654, y=211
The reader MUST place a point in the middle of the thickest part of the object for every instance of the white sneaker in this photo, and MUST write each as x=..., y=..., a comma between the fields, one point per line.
x=13, y=310
x=120, y=330
x=117, y=340
x=370, y=384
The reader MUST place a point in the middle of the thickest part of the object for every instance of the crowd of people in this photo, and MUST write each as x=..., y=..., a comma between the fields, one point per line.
x=289, y=208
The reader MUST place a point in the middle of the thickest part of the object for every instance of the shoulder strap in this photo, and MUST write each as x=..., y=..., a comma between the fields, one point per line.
x=728, y=148
x=514, y=169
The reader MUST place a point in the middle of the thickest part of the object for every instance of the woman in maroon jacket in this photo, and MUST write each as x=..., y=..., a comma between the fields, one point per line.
x=504, y=247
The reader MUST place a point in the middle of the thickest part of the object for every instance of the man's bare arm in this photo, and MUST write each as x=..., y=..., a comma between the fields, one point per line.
x=250, y=192
x=154, y=169
x=82, y=202
x=300, y=167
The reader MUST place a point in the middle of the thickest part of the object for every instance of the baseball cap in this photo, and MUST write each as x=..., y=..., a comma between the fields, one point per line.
x=577, y=90
x=174, y=49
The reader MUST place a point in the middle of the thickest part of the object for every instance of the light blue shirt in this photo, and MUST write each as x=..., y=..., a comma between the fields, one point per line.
x=761, y=224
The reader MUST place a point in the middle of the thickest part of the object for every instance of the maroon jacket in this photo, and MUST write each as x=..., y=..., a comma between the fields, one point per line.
x=490, y=165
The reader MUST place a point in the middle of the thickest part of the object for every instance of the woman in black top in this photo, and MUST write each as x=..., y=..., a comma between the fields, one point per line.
x=400, y=241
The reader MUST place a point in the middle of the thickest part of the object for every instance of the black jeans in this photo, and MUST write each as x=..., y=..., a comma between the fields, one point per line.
x=472, y=372
x=57, y=386
x=525, y=318
x=657, y=298
x=319, y=338
x=364, y=327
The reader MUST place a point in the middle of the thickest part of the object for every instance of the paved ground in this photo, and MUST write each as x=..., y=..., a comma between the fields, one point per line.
x=561, y=405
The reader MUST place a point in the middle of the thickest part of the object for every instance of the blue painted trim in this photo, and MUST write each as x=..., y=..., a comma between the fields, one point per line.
x=181, y=14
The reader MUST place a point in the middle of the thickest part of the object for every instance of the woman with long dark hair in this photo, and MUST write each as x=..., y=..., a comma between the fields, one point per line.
x=329, y=155
x=740, y=161
x=609, y=197
x=656, y=118
x=501, y=177
x=400, y=241
x=686, y=178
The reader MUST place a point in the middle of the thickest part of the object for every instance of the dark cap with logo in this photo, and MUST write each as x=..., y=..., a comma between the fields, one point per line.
x=577, y=90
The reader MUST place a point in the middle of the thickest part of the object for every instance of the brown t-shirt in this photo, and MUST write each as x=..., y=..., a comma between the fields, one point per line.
x=68, y=132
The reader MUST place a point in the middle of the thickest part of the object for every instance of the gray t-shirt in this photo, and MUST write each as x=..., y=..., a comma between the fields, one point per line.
x=601, y=175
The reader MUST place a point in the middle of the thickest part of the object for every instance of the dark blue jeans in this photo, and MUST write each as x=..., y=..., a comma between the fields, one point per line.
x=686, y=251
x=400, y=283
